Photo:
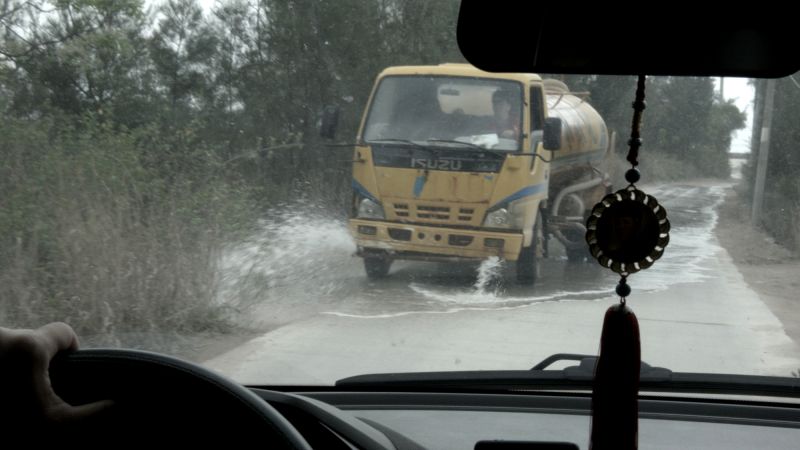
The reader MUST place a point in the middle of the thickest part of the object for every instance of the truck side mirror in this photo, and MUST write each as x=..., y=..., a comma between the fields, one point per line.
x=330, y=120
x=552, y=133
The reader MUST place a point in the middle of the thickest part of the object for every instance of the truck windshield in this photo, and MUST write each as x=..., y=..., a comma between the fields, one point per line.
x=483, y=112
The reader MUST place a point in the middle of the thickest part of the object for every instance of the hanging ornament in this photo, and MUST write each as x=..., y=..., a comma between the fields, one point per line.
x=626, y=232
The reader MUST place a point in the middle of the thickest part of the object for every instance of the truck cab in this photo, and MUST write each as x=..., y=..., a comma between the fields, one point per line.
x=456, y=164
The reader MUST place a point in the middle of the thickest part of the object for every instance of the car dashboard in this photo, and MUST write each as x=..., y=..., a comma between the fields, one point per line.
x=534, y=420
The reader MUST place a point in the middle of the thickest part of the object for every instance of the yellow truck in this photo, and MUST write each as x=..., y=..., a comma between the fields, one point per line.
x=454, y=164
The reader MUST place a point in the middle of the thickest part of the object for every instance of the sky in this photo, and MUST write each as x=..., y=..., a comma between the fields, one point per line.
x=741, y=92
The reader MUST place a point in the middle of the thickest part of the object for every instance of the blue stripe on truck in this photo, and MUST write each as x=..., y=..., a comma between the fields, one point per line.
x=524, y=192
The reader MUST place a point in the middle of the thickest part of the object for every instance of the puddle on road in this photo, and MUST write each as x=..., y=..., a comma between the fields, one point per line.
x=304, y=262
x=692, y=242
x=478, y=298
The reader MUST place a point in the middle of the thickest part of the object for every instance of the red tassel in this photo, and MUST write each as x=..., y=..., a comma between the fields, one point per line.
x=615, y=406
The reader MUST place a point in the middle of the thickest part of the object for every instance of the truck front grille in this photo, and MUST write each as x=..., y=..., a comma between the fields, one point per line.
x=433, y=213
x=401, y=209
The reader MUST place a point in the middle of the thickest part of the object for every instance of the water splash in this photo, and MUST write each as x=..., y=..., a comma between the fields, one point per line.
x=295, y=244
x=490, y=272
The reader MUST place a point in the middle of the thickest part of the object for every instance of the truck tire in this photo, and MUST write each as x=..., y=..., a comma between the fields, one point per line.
x=376, y=267
x=576, y=255
x=527, y=263
x=582, y=253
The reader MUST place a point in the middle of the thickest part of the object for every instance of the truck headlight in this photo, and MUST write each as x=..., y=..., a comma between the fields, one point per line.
x=369, y=209
x=498, y=218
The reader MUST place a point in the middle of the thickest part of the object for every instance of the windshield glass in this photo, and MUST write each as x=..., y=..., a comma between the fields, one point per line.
x=165, y=185
x=484, y=112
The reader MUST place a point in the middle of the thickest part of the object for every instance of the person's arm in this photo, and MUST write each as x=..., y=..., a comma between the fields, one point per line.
x=25, y=389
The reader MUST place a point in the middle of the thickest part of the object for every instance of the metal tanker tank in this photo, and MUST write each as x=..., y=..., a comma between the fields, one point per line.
x=579, y=169
x=584, y=138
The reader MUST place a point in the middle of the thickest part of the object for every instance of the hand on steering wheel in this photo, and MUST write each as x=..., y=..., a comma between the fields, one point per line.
x=153, y=391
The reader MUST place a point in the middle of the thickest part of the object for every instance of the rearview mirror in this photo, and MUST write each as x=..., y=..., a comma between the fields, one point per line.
x=738, y=42
x=330, y=120
x=552, y=133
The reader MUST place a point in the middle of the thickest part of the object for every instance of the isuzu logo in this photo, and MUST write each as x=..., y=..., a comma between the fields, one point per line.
x=444, y=159
x=436, y=164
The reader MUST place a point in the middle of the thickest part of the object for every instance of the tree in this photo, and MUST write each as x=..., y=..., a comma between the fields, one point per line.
x=78, y=56
x=181, y=48
x=684, y=124
x=782, y=188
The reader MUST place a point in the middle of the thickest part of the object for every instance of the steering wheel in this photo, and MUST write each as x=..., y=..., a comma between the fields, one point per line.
x=166, y=394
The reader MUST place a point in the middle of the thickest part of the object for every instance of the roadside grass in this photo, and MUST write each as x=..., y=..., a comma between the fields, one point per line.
x=95, y=235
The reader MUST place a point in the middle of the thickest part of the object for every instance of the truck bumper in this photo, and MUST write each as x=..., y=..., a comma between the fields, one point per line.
x=404, y=241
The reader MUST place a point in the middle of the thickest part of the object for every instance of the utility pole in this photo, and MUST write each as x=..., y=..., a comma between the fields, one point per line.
x=758, y=114
x=763, y=152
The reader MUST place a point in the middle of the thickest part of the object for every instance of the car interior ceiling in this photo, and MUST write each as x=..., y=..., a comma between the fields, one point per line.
x=624, y=40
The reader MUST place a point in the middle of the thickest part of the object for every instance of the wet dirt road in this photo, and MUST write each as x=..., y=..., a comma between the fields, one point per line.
x=327, y=321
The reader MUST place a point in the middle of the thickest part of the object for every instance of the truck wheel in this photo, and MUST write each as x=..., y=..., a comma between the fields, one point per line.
x=376, y=267
x=527, y=263
x=578, y=254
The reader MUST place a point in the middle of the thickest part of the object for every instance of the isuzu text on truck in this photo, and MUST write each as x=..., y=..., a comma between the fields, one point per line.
x=455, y=164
